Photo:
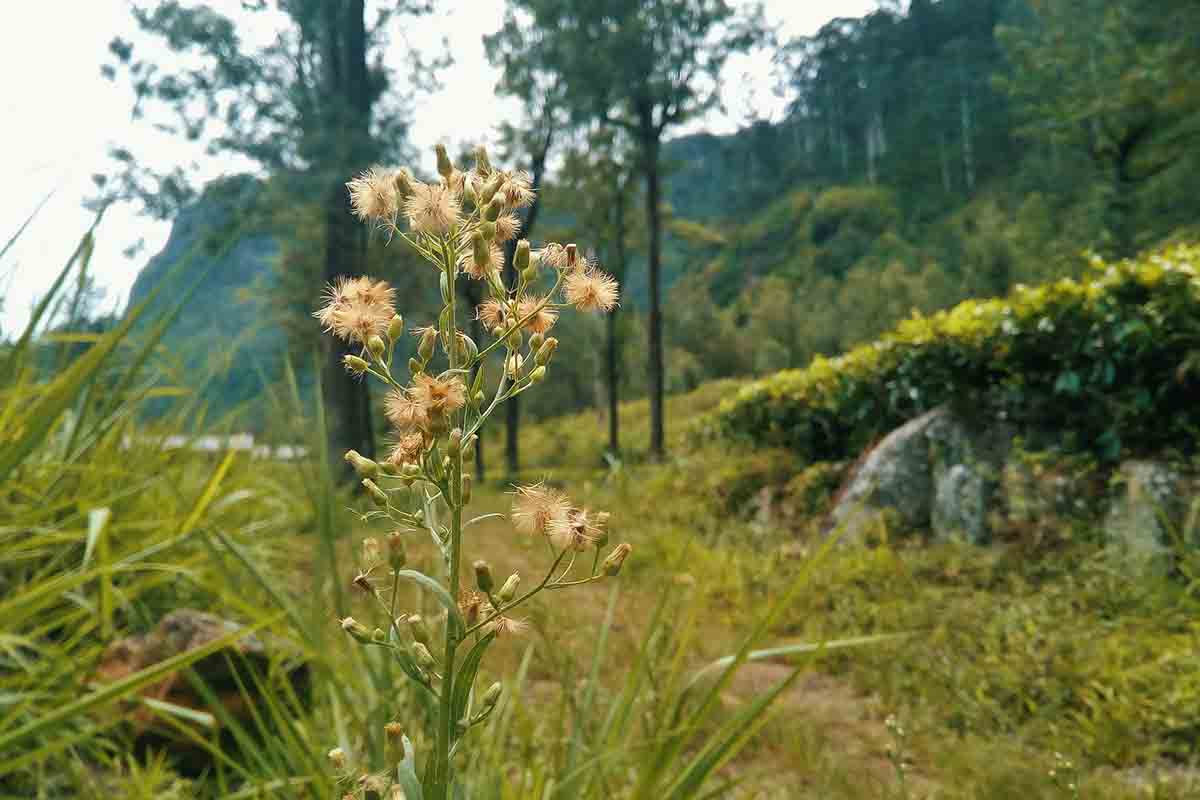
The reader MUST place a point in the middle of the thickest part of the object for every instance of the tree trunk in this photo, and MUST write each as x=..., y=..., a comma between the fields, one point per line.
x=650, y=146
x=968, y=144
x=613, y=330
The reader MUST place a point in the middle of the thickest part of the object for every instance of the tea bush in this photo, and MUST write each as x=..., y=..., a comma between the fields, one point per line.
x=1121, y=344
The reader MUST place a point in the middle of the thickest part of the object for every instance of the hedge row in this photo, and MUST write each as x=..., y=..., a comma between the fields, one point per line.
x=1109, y=363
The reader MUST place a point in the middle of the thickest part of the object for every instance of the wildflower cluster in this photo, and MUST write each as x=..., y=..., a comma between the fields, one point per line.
x=459, y=224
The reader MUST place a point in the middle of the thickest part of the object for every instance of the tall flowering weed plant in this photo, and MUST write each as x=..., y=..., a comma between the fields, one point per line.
x=458, y=224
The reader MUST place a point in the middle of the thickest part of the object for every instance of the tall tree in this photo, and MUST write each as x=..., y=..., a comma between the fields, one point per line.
x=643, y=66
x=312, y=106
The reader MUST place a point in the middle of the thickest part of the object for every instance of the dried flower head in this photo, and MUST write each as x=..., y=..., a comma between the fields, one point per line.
x=373, y=195
x=536, y=507
x=493, y=314
x=513, y=364
x=437, y=396
x=541, y=317
x=336, y=297
x=371, y=292
x=508, y=225
x=473, y=606
x=432, y=209
x=591, y=290
x=516, y=188
x=359, y=322
x=408, y=449
x=578, y=529
x=552, y=255
x=506, y=626
x=494, y=263
x=404, y=412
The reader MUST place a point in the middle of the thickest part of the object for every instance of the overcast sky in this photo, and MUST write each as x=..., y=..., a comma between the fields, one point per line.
x=58, y=117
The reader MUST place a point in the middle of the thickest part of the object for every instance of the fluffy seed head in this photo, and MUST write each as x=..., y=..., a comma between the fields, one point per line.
x=407, y=449
x=507, y=626
x=493, y=314
x=542, y=318
x=507, y=227
x=577, y=530
x=438, y=397
x=493, y=261
x=373, y=195
x=359, y=322
x=432, y=209
x=591, y=290
x=553, y=255
x=536, y=507
x=516, y=188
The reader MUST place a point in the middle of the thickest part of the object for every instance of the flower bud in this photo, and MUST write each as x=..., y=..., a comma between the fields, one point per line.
x=491, y=696
x=356, y=630
x=378, y=496
x=479, y=398
x=466, y=489
x=483, y=577
x=509, y=590
x=414, y=367
x=512, y=365
x=395, y=327
x=397, y=552
x=487, y=230
x=403, y=180
x=371, y=553
x=445, y=166
x=529, y=274
x=428, y=342
x=479, y=250
x=538, y=375
x=394, y=732
x=365, y=467
x=377, y=346
x=546, y=351
x=355, y=365
x=454, y=440
x=601, y=520
x=612, y=564
x=535, y=342
x=521, y=256
x=419, y=630
x=423, y=657
x=467, y=349
x=490, y=188
x=483, y=166
x=494, y=209
x=337, y=757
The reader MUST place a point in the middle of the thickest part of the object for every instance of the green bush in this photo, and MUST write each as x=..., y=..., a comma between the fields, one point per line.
x=1103, y=362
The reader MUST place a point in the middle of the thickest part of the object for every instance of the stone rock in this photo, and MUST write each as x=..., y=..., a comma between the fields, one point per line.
x=186, y=629
x=1144, y=522
x=935, y=473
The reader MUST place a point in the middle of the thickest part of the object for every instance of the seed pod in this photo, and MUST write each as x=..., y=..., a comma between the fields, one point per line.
x=483, y=577
x=356, y=630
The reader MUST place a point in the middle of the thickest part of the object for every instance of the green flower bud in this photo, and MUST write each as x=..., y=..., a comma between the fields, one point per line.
x=487, y=230
x=415, y=367
x=494, y=209
x=529, y=274
x=365, y=467
x=396, y=327
x=454, y=440
x=509, y=590
x=423, y=657
x=355, y=365
x=483, y=577
x=377, y=346
x=419, y=630
x=612, y=564
x=479, y=398
x=538, y=375
x=479, y=250
x=483, y=166
x=466, y=489
x=356, y=630
x=521, y=256
x=467, y=349
x=378, y=496
x=397, y=552
x=426, y=345
x=491, y=696
x=546, y=352
x=601, y=520
x=445, y=166
x=535, y=342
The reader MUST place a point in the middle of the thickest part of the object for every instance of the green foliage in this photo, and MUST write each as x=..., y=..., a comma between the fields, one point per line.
x=1112, y=343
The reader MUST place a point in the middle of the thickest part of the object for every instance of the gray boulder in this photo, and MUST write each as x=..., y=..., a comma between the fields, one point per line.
x=1146, y=520
x=935, y=473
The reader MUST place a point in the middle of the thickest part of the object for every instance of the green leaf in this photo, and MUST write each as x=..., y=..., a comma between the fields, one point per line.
x=436, y=589
x=465, y=679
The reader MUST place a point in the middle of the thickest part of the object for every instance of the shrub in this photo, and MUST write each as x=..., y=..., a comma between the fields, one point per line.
x=1101, y=361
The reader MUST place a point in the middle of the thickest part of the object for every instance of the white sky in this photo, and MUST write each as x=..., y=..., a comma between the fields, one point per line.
x=58, y=117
